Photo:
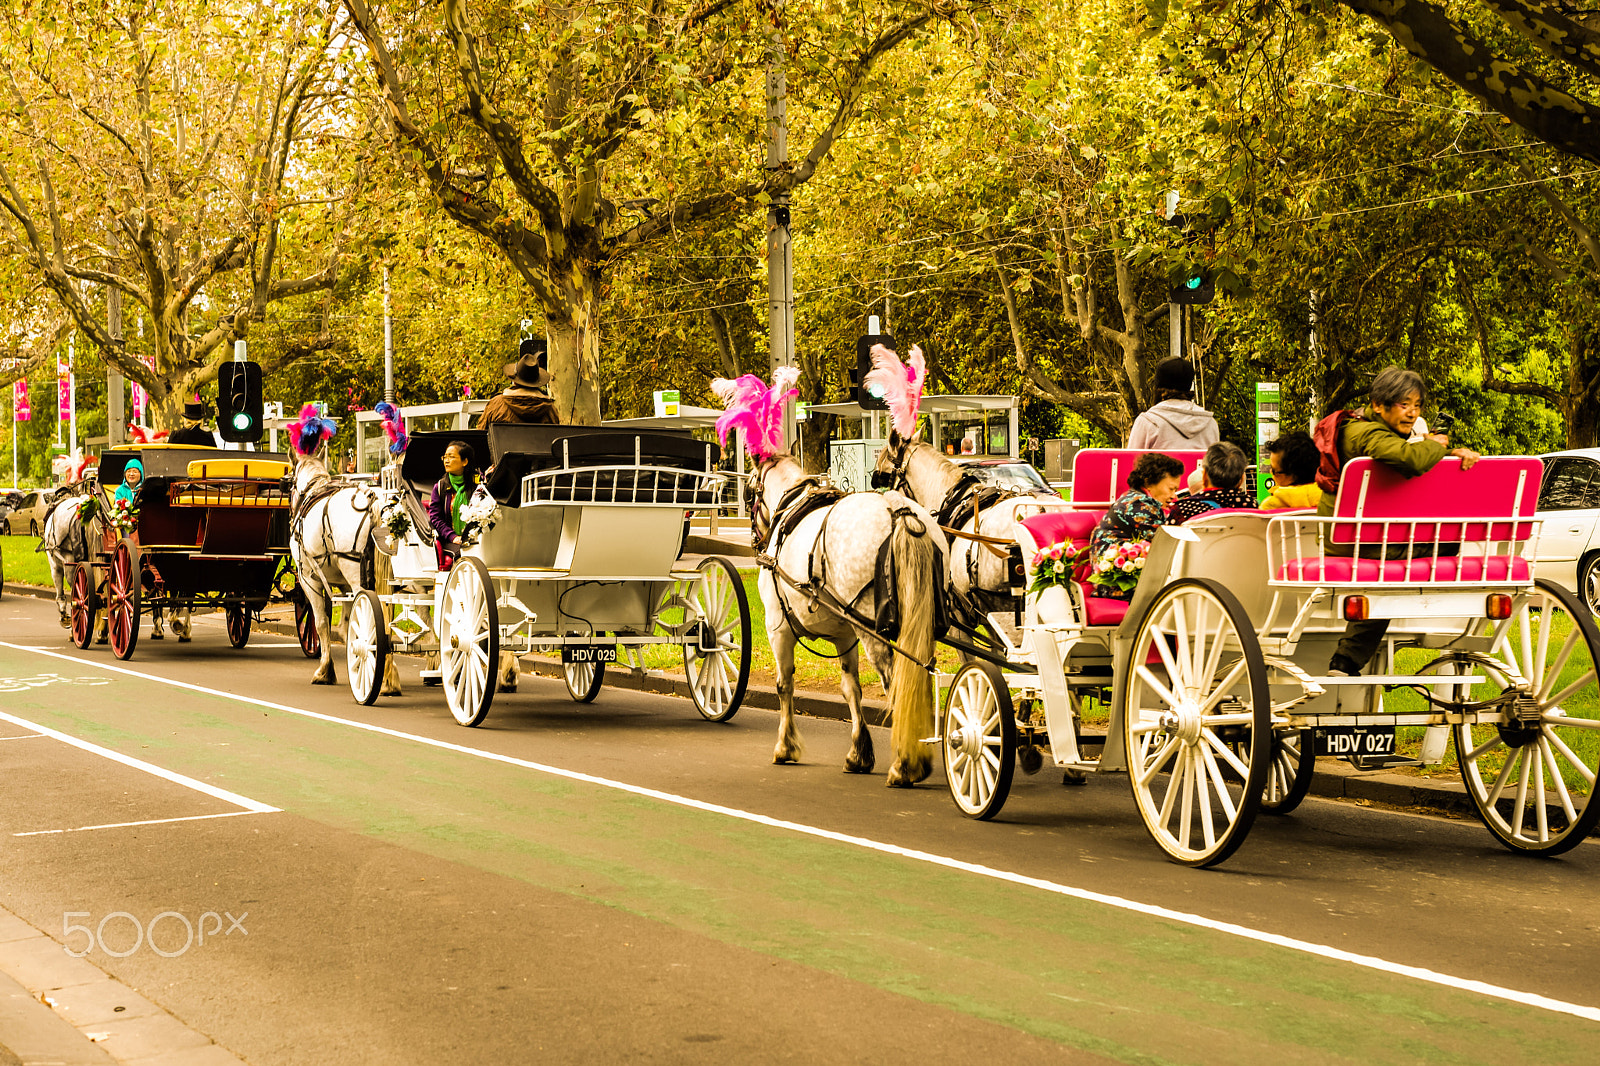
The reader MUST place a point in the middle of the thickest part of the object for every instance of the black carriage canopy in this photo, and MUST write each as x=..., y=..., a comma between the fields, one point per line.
x=166, y=463
x=517, y=450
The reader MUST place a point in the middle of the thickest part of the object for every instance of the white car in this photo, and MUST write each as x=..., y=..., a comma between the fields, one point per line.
x=1569, y=538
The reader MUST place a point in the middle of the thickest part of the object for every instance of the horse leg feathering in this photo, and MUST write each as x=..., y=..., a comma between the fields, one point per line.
x=916, y=560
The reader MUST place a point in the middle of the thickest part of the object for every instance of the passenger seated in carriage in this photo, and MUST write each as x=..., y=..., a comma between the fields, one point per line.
x=1382, y=431
x=132, y=478
x=524, y=401
x=450, y=494
x=1140, y=511
x=1294, y=459
x=1222, y=484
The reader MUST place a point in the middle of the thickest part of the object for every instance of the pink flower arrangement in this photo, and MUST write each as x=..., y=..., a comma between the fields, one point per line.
x=1053, y=567
x=1119, y=566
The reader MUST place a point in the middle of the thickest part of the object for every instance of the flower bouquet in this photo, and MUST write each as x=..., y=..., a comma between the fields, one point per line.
x=122, y=516
x=478, y=516
x=1053, y=567
x=1117, y=569
x=87, y=507
x=393, y=516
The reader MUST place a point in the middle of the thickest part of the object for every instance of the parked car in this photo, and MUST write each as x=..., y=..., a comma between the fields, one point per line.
x=1013, y=475
x=28, y=516
x=1569, y=538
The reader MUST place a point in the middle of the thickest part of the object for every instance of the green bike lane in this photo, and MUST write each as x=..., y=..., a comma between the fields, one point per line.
x=963, y=962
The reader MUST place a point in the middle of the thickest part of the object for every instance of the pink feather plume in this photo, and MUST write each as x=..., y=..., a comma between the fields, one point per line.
x=901, y=384
x=751, y=406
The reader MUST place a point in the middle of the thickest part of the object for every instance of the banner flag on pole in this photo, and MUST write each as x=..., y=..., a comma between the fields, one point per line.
x=63, y=391
x=20, y=410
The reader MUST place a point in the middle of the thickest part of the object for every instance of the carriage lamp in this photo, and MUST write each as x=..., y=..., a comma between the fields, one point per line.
x=1497, y=605
x=1356, y=609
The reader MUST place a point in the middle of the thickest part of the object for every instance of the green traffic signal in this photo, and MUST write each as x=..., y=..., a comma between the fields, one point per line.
x=241, y=421
x=1194, y=282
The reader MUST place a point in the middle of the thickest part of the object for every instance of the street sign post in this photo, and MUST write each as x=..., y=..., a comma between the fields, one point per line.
x=1266, y=430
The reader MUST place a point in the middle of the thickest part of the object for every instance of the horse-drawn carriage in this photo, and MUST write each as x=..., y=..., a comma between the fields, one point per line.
x=1217, y=676
x=582, y=556
x=210, y=528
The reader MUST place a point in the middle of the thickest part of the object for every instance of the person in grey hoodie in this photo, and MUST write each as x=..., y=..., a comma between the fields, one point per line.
x=1176, y=421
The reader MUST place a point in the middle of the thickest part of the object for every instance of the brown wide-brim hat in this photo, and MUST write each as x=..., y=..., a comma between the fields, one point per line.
x=532, y=370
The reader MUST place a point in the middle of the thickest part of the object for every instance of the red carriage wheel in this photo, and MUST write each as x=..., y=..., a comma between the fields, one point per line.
x=84, y=605
x=305, y=627
x=122, y=606
x=238, y=624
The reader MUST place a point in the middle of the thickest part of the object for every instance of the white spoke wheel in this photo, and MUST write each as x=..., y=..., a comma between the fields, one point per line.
x=122, y=606
x=1197, y=722
x=979, y=740
x=584, y=680
x=366, y=646
x=1294, y=759
x=1531, y=777
x=717, y=660
x=469, y=640
x=84, y=605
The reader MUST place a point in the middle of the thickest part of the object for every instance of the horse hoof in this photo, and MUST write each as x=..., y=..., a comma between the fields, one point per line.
x=854, y=765
x=323, y=681
x=158, y=636
x=783, y=758
x=899, y=780
x=183, y=640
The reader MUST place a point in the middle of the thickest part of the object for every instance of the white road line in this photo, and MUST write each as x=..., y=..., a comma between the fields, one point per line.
x=1371, y=962
x=25, y=736
x=234, y=798
x=151, y=821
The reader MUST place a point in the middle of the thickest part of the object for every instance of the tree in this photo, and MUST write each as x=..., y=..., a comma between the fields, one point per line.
x=572, y=136
x=158, y=149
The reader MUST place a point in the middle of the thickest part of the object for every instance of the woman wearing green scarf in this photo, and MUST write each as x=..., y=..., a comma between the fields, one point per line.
x=450, y=494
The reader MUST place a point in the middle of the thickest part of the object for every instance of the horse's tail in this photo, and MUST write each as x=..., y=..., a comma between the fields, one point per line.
x=917, y=581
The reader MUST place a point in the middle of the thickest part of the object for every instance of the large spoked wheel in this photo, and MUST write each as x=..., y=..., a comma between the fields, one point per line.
x=1197, y=721
x=84, y=605
x=469, y=640
x=1294, y=760
x=366, y=647
x=305, y=628
x=717, y=662
x=1532, y=777
x=584, y=680
x=238, y=624
x=980, y=740
x=122, y=604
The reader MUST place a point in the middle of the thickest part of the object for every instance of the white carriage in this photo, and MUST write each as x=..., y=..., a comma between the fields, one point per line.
x=584, y=556
x=1217, y=675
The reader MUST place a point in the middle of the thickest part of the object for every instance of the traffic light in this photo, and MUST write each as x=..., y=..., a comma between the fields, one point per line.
x=239, y=407
x=1196, y=288
x=866, y=397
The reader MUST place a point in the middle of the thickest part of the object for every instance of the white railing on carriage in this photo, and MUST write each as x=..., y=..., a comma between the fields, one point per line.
x=624, y=485
x=1402, y=552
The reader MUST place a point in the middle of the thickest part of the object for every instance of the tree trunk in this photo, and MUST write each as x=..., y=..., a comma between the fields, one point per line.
x=575, y=352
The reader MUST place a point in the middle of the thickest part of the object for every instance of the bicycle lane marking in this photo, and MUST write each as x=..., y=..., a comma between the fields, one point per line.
x=1370, y=962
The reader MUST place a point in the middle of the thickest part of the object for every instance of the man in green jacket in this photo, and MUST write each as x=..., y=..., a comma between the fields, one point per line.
x=1383, y=432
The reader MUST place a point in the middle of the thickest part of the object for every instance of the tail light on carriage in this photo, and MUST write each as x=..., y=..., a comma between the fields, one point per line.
x=1497, y=605
x=1357, y=609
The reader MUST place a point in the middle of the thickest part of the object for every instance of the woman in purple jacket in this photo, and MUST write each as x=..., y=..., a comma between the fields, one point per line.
x=450, y=494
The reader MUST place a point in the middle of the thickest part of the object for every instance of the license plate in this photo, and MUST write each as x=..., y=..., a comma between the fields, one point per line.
x=1355, y=740
x=588, y=653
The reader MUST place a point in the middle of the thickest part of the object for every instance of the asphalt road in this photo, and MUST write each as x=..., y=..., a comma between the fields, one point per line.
x=576, y=883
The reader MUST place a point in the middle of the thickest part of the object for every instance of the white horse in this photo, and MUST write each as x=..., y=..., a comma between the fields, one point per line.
x=333, y=532
x=817, y=559
x=65, y=543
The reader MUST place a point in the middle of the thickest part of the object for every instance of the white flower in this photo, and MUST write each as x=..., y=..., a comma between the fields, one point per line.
x=1138, y=564
x=1104, y=565
x=1128, y=567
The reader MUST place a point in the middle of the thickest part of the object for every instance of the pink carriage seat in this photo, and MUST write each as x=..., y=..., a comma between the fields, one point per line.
x=1100, y=475
x=1488, y=511
x=1073, y=529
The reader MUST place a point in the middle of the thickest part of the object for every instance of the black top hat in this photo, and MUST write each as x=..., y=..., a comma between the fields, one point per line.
x=532, y=369
x=1175, y=374
x=197, y=412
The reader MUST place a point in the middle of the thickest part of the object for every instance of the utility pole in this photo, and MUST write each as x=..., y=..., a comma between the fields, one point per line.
x=780, y=252
x=388, y=341
x=116, y=413
x=72, y=390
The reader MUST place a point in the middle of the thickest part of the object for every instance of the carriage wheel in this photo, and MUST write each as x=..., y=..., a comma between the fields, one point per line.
x=238, y=624
x=980, y=740
x=305, y=627
x=584, y=680
x=1197, y=722
x=469, y=640
x=1294, y=760
x=84, y=605
x=717, y=663
x=366, y=646
x=122, y=606
x=1532, y=777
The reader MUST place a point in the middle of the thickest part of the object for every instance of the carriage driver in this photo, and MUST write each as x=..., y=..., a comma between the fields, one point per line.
x=194, y=429
x=524, y=401
x=1382, y=432
x=450, y=494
